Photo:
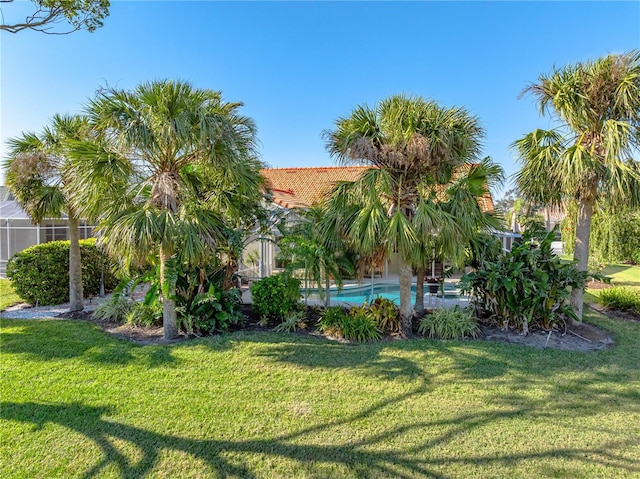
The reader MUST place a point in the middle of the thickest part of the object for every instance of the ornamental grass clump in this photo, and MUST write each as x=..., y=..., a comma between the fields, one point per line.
x=114, y=310
x=621, y=299
x=357, y=324
x=453, y=323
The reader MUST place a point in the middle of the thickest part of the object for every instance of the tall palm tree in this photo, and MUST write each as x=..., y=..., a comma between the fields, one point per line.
x=589, y=155
x=39, y=174
x=169, y=160
x=408, y=142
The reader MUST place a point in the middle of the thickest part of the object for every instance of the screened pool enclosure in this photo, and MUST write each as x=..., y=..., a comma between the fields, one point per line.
x=18, y=232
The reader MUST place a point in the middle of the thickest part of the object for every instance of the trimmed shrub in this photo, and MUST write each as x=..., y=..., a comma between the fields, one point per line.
x=41, y=273
x=445, y=323
x=275, y=297
x=621, y=299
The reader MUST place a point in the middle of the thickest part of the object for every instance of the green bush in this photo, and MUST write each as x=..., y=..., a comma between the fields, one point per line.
x=357, y=324
x=145, y=315
x=453, y=323
x=360, y=325
x=386, y=315
x=41, y=273
x=528, y=287
x=331, y=320
x=276, y=296
x=208, y=312
x=621, y=299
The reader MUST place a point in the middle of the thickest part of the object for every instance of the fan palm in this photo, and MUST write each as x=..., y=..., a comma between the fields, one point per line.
x=39, y=173
x=590, y=154
x=171, y=162
x=409, y=142
x=457, y=218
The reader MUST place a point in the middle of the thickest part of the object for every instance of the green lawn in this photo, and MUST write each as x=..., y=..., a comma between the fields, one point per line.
x=7, y=296
x=77, y=403
x=623, y=275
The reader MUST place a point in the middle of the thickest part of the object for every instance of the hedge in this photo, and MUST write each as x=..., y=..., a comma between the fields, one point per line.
x=41, y=273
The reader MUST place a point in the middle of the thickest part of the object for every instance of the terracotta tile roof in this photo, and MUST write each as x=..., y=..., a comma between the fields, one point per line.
x=302, y=187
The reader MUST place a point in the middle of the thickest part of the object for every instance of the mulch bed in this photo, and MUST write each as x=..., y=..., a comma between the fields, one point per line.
x=582, y=337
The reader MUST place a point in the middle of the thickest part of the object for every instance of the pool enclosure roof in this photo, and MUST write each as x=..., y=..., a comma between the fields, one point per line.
x=10, y=210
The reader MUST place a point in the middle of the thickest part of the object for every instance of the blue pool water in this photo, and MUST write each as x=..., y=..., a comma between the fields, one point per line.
x=360, y=294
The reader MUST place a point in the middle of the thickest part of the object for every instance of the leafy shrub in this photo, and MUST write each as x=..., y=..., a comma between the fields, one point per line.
x=116, y=309
x=386, y=315
x=621, y=299
x=208, y=312
x=145, y=315
x=358, y=324
x=41, y=273
x=331, y=320
x=453, y=323
x=528, y=287
x=291, y=322
x=276, y=296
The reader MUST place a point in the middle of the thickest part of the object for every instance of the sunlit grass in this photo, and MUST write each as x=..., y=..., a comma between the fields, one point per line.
x=78, y=403
x=8, y=296
x=623, y=275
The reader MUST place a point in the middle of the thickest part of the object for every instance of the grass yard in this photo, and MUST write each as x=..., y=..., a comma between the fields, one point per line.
x=77, y=403
x=623, y=275
x=8, y=296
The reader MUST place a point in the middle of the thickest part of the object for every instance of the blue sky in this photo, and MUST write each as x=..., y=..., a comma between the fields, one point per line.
x=297, y=66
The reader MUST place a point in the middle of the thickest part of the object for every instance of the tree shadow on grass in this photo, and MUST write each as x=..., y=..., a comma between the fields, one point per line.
x=48, y=340
x=363, y=458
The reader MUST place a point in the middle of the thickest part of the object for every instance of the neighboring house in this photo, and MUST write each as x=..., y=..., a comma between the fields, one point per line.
x=298, y=188
x=18, y=232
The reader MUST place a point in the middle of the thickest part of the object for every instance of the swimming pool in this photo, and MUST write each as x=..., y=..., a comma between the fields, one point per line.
x=358, y=294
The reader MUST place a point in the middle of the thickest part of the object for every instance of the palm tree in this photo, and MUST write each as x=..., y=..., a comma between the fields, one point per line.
x=408, y=142
x=171, y=161
x=39, y=173
x=459, y=220
x=310, y=245
x=589, y=155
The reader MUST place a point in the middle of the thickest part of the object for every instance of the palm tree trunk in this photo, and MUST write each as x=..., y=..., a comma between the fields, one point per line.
x=581, y=251
x=169, y=317
x=419, y=306
x=76, y=300
x=327, y=300
x=406, y=309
